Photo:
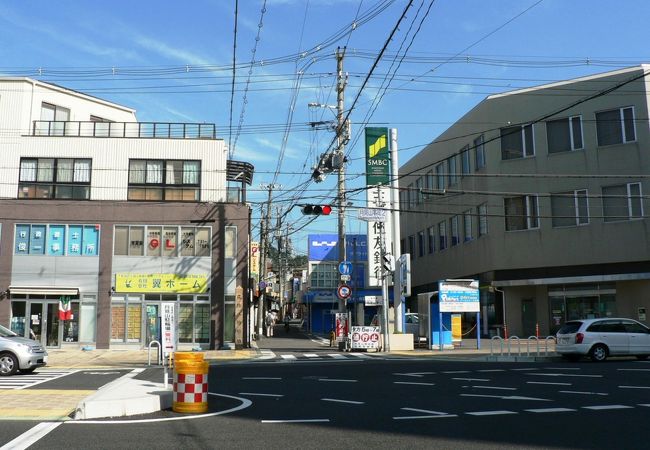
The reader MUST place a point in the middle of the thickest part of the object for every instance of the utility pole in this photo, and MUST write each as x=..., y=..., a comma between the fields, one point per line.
x=339, y=156
x=264, y=233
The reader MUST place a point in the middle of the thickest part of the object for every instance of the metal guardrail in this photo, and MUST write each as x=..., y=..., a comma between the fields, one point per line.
x=161, y=130
x=516, y=340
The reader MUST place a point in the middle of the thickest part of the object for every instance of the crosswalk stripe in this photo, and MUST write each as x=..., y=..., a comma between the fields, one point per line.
x=288, y=356
x=336, y=355
x=311, y=355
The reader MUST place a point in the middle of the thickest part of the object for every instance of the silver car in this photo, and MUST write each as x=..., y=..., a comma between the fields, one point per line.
x=19, y=353
x=600, y=338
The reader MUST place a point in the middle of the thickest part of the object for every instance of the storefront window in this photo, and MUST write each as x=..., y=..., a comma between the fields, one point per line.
x=170, y=241
x=121, y=241
x=203, y=242
x=136, y=241
x=202, y=325
x=153, y=241
x=185, y=325
x=118, y=315
x=88, y=325
x=18, y=312
x=231, y=237
x=71, y=327
x=187, y=241
x=134, y=323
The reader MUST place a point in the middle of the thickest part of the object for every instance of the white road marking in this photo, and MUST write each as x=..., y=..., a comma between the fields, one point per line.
x=507, y=397
x=525, y=369
x=492, y=370
x=336, y=355
x=261, y=378
x=634, y=387
x=257, y=394
x=352, y=402
x=413, y=382
x=455, y=371
x=288, y=356
x=311, y=355
x=550, y=410
x=425, y=417
x=636, y=370
x=583, y=393
x=471, y=379
x=360, y=355
x=492, y=387
x=426, y=411
x=295, y=421
x=645, y=404
x=604, y=407
x=490, y=413
x=31, y=436
x=565, y=375
x=419, y=375
x=548, y=382
x=562, y=368
x=337, y=380
x=267, y=354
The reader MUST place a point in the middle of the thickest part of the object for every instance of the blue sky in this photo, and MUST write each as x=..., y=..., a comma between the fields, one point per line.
x=134, y=53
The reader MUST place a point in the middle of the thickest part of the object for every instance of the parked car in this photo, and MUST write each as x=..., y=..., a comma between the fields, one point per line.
x=600, y=338
x=412, y=324
x=19, y=353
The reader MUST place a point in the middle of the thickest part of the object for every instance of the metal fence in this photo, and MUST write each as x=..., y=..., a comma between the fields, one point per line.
x=157, y=130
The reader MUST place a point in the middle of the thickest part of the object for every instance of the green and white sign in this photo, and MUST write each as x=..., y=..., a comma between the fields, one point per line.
x=377, y=157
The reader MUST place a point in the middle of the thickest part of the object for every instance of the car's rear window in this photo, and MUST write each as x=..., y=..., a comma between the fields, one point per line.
x=570, y=327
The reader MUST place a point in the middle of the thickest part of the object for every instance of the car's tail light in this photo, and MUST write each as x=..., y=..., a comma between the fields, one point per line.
x=579, y=338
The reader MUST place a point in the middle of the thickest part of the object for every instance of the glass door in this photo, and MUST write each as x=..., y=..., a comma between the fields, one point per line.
x=152, y=326
x=44, y=323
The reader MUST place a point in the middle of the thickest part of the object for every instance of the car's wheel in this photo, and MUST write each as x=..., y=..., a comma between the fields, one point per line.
x=27, y=371
x=8, y=364
x=598, y=352
x=642, y=357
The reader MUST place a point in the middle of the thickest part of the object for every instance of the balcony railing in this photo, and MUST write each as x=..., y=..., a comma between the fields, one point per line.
x=151, y=130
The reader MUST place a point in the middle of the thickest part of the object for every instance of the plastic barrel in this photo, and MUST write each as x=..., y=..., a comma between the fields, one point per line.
x=188, y=356
x=190, y=393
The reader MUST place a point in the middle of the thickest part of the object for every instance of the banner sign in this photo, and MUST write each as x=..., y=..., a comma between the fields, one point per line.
x=324, y=247
x=161, y=282
x=377, y=157
x=459, y=296
x=168, y=327
x=341, y=326
x=255, y=260
x=364, y=337
x=378, y=197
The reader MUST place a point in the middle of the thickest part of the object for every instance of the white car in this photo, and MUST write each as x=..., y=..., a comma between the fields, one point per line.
x=600, y=338
x=18, y=353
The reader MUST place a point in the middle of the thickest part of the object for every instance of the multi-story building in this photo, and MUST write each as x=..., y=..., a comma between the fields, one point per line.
x=540, y=194
x=117, y=217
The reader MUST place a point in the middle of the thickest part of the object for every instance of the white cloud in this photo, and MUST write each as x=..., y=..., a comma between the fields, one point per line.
x=159, y=47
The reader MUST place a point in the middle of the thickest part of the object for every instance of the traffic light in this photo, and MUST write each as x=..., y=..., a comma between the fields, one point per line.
x=317, y=210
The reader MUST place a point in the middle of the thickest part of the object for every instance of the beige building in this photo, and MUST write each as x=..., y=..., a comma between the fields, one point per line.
x=120, y=218
x=541, y=194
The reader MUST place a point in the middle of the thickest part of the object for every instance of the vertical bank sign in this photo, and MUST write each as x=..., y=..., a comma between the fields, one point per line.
x=378, y=196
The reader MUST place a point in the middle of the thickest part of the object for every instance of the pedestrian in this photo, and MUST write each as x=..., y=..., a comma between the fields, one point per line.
x=270, y=321
x=332, y=337
x=287, y=325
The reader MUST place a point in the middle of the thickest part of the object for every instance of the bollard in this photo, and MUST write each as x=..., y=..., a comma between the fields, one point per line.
x=537, y=330
x=505, y=331
x=190, y=393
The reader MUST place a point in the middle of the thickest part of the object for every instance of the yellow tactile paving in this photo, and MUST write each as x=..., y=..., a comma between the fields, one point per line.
x=40, y=404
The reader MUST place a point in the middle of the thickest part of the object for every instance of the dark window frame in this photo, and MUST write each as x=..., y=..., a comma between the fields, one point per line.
x=165, y=187
x=55, y=186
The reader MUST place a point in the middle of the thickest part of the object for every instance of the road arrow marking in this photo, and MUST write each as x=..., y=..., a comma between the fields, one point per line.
x=507, y=397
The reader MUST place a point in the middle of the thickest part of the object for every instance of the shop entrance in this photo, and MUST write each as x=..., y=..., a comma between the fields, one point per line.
x=43, y=323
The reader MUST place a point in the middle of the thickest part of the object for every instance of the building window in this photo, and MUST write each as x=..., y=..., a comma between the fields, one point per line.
x=54, y=178
x=412, y=195
x=442, y=235
x=418, y=189
x=521, y=213
x=57, y=240
x=403, y=200
x=517, y=142
x=465, y=167
x=570, y=208
x=168, y=241
x=615, y=126
x=454, y=229
x=622, y=202
x=420, y=244
x=564, y=135
x=324, y=275
x=412, y=245
x=440, y=176
x=429, y=180
x=451, y=170
x=53, y=120
x=481, y=211
x=432, y=239
x=164, y=180
x=468, y=226
x=479, y=152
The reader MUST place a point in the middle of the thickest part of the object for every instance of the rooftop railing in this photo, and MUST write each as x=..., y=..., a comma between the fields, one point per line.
x=142, y=130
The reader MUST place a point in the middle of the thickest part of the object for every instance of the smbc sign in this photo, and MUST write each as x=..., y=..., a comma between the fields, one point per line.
x=377, y=157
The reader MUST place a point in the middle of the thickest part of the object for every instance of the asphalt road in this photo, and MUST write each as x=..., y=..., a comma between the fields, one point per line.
x=388, y=403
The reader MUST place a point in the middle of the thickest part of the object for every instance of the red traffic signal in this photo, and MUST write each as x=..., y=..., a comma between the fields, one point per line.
x=317, y=210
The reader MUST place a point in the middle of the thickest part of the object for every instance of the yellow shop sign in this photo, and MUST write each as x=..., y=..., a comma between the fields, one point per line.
x=161, y=282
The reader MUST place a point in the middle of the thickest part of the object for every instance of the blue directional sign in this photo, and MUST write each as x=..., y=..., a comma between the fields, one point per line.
x=345, y=268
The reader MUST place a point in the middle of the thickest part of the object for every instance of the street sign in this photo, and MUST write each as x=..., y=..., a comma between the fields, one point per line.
x=344, y=291
x=345, y=268
x=364, y=337
x=372, y=215
x=346, y=277
x=262, y=285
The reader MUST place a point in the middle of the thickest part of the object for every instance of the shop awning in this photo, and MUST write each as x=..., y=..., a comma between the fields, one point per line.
x=43, y=290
